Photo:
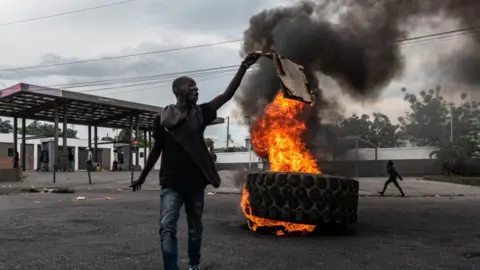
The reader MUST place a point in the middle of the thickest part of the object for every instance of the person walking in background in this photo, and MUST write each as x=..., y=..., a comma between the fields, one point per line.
x=393, y=176
x=16, y=165
x=89, y=160
x=71, y=160
x=120, y=161
x=16, y=159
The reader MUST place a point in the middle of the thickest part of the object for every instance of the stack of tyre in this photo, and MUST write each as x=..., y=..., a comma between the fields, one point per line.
x=303, y=198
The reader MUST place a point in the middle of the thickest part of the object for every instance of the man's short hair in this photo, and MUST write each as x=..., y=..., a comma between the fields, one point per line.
x=179, y=82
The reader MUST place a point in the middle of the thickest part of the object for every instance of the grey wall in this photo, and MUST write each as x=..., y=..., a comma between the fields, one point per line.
x=4, y=149
x=366, y=168
x=82, y=157
x=29, y=152
x=105, y=158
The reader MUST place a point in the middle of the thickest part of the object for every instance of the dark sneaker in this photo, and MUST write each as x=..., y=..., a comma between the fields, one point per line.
x=381, y=193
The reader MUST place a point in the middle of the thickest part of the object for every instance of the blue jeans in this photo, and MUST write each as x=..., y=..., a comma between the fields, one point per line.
x=171, y=202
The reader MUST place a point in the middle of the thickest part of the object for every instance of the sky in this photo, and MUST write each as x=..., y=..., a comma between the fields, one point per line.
x=152, y=25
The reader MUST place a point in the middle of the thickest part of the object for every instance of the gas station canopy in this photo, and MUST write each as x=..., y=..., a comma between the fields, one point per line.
x=40, y=103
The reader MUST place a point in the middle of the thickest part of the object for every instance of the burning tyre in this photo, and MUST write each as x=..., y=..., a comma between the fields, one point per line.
x=302, y=198
x=295, y=196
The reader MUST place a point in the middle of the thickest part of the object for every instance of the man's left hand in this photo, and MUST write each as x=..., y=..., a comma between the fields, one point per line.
x=251, y=58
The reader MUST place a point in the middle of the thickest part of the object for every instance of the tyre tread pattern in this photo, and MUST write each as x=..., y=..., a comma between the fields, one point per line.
x=303, y=198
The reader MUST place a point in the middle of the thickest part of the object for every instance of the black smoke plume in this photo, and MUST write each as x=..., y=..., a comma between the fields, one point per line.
x=359, y=51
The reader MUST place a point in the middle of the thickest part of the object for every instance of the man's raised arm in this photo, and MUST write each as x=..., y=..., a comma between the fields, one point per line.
x=232, y=87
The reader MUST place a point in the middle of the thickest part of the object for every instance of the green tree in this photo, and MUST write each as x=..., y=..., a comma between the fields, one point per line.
x=434, y=122
x=107, y=138
x=453, y=128
x=379, y=130
x=236, y=149
x=37, y=128
x=426, y=123
x=5, y=126
x=124, y=136
x=209, y=142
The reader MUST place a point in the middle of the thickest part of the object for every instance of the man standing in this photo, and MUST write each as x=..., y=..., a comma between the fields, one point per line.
x=71, y=160
x=187, y=166
x=121, y=160
x=89, y=160
x=16, y=159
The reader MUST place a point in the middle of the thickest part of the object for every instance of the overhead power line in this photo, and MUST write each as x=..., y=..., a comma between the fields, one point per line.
x=148, y=77
x=123, y=56
x=398, y=42
x=220, y=69
x=466, y=29
x=160, y=79
x=67, y=13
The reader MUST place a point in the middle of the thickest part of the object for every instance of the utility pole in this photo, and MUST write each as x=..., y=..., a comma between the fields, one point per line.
x=249, y=147
x=451, y=122
x=228, y=132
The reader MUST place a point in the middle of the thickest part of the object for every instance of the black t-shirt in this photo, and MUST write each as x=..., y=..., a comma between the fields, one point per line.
x=70, y=157
x=177, y=169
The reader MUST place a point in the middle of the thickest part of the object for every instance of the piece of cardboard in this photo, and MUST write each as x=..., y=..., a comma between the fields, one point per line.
x=294, y=82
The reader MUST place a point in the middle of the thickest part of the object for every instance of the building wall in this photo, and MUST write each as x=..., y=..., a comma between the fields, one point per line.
x=5, y=160
x=366, y=168
x=236, y=157
x=390, y=153
x=364, y=154
x=29, y=155
x=412, y=161
x=33, y=146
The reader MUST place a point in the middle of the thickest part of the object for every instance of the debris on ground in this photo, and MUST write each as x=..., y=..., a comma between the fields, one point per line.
x=29, y=190
x=47, y=190
x=80, y=198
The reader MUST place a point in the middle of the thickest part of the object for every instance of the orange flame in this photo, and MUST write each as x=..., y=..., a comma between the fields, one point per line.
x=277, y=135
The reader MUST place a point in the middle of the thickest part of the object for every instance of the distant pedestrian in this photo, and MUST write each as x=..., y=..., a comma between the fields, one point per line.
x=121, y=159
x=89, y=160
x=16, y=159
x=393, y=176
x=45, y=161
x=71, y=160
x=115, y=160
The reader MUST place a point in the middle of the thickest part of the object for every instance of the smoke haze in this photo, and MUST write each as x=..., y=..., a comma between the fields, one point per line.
x=359, y=52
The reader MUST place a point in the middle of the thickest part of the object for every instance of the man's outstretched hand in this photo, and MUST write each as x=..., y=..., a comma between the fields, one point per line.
x=137, y=184
x=251, y=58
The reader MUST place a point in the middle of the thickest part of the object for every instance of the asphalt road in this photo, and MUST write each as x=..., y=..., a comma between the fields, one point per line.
x=50, y=231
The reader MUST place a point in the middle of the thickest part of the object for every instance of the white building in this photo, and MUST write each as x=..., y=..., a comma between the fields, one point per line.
x=400, y=153
x=34, y=147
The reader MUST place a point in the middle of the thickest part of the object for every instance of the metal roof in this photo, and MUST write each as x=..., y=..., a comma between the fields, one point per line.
x=38, y=103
